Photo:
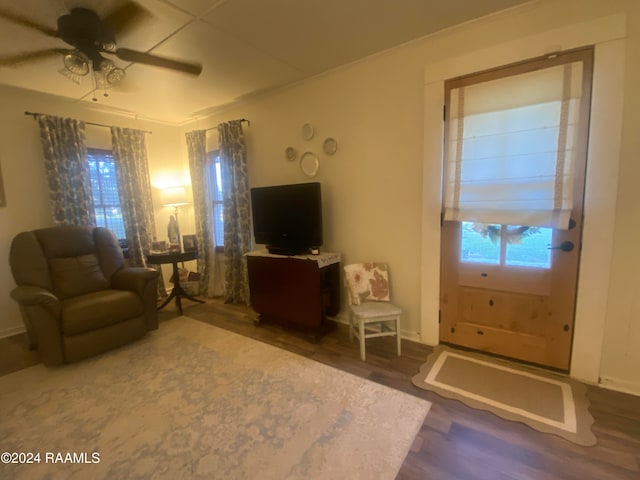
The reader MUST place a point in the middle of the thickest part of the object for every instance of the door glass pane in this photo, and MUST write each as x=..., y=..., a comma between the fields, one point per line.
x=480, y=243
x=527, y=246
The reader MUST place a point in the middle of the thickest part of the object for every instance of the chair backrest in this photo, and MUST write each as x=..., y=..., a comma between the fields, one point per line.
x=367, y=282
x=66, y=260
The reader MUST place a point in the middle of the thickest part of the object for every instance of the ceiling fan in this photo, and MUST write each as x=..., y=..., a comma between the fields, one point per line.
x=90, y=38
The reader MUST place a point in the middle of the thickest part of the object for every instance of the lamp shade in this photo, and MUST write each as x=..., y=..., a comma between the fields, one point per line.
x=173, y=196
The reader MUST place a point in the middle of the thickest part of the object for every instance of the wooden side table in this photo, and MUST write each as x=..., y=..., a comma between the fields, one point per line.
x=177, y=292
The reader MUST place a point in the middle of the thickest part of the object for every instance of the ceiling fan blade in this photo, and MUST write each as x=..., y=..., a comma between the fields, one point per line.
x=148, y=59
x=126, y=17
x=25, y=22
x=22, y=57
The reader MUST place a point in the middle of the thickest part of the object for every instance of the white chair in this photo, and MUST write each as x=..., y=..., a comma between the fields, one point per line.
x=371, y=313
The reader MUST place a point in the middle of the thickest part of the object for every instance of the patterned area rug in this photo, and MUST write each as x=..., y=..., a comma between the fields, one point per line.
x=191, y=400
x=543, y=400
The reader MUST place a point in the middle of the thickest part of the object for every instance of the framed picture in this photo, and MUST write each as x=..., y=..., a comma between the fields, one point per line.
x=189, y=243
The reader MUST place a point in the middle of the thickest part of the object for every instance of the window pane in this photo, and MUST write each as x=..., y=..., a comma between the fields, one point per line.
x=113, y=218
x=527, y=246
x=218, y=193
x=218, y=224
x=214, y=171
x=104, y=186
x=95, y=185
x=480, y=243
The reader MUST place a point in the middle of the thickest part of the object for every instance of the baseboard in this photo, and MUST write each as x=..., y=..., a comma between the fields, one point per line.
x=9, y=332
x=620, y=385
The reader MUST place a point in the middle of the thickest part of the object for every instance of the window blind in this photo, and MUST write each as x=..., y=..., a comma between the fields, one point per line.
x=511, y=148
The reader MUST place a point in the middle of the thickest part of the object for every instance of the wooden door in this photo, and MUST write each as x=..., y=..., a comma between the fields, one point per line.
x=510, y=289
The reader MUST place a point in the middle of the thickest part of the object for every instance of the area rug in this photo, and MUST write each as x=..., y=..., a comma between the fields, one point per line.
x=191, y=400
x=545, y=401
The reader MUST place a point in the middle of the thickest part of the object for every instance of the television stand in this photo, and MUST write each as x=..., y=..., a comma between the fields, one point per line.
x=287, y=251
x=295, y=291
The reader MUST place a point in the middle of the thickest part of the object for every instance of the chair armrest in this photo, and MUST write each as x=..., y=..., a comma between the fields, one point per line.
x=28, y=296
x=133, y=278
x=143, y=281
x=41, y=311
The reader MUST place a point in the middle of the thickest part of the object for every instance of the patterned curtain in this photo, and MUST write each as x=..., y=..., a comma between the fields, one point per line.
x=203, y=211
x=65, y=159
x=237, y=220
x=134, y=188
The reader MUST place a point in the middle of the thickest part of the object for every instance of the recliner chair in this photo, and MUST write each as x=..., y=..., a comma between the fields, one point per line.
x=76, y=295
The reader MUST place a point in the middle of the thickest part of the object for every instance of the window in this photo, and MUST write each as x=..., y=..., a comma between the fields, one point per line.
x=104, y=186
x=214, y=171
x=513, y=245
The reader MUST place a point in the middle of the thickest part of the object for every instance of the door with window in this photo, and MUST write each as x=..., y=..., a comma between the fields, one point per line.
x=515, y=161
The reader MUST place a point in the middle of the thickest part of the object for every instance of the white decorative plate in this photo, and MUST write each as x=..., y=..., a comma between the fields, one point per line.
x=330, y=146
x=309, y=164
x=307, y=131
x=290, y=153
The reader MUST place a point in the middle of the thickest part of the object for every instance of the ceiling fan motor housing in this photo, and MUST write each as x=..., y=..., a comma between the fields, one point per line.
x=83, y=29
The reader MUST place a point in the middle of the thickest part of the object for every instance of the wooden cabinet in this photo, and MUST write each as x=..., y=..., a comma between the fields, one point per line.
x=298, y=291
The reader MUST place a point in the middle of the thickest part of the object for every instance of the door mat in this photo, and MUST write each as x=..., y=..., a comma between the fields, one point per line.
x=547, y=402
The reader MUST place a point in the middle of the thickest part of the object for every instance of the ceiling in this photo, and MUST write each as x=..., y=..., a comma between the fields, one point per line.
x=245, y=46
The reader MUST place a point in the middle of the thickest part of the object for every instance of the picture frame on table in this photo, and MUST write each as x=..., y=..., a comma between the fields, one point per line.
x=189, y=243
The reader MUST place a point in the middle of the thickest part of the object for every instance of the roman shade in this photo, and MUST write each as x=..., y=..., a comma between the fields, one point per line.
x=511, y=147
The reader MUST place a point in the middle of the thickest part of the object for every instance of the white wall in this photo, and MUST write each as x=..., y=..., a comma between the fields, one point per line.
x=375, y=204
x=24, y=175
x=620, y=367
x=372, y=185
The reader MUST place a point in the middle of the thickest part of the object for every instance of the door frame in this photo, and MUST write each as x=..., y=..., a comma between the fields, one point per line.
x=607, y=35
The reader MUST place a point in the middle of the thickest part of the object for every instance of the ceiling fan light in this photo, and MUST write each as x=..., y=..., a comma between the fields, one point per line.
x=109, y=46
x=75, y=78
x=108, y=75
x=115, y=76
x=106, y=65
x=76, y=63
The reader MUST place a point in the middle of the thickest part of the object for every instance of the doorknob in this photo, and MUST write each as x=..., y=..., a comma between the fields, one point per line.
x=566, y=246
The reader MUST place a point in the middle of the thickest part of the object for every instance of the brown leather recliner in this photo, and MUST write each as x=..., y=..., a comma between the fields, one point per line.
x=76, y=296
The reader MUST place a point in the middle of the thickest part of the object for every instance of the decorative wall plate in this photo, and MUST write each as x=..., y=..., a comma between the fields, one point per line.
x=309, y=164
x=290, y=153
x=330, y=146
x=307, y=131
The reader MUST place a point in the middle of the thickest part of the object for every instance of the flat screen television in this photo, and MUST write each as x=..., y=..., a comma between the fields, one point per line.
x=287, y=218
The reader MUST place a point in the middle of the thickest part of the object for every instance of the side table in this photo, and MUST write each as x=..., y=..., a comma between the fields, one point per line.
x=177, y=292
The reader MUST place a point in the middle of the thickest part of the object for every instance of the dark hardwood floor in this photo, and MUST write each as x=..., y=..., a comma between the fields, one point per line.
x=455, y=441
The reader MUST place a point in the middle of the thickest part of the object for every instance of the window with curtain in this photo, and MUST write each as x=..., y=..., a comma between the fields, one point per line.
x=511, y=140
x=104, y=187
x=215, y=181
